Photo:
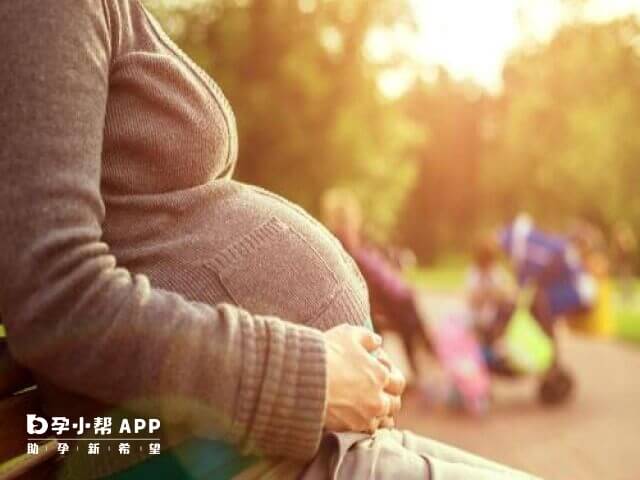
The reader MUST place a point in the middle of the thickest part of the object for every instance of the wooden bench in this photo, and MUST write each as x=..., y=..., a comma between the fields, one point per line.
x=19, y=396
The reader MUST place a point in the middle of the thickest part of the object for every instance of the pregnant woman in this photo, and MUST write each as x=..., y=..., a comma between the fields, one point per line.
x=134, y=273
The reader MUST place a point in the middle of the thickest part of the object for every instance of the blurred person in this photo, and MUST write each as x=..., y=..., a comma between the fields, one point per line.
x=491, y=302
x=490, y=294
x=393, y=299
x=403, y=259
x=138, y=275
x=624, y=255
x=590, y=244
x=552, y=265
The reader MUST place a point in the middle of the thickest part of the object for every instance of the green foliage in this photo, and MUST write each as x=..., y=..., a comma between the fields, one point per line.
x=444, y=160
x=566, y=140
x=443, y=206
x=561, y=141
x=309, y=112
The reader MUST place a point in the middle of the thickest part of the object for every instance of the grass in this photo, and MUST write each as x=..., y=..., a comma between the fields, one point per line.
x=629, y=328
x=628, y=320
x=448, y=276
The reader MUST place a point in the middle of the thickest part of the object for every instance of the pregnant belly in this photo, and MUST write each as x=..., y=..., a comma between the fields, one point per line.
x=234, y=243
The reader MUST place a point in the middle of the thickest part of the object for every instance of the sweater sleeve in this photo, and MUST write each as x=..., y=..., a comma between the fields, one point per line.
x=72, y=314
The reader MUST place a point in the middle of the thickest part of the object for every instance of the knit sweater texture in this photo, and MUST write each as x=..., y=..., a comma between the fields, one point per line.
x=134, y=271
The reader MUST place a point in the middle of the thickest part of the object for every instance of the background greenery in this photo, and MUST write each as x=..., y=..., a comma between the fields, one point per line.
x=309, y=112
x=446, y=158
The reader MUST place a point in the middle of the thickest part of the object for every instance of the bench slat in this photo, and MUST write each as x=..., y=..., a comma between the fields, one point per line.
x=29, y=466
x=13, y=377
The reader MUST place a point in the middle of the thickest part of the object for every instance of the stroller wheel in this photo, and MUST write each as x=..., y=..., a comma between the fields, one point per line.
x=556, y=387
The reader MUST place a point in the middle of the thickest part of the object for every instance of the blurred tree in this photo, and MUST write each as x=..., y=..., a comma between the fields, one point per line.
x=442, y=207
x=565, y=137
x=309, y=111
x=560, y=140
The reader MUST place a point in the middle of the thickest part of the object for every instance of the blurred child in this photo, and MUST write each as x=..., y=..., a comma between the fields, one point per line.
x=490, y=294
x=624, y=251
x=393, y=300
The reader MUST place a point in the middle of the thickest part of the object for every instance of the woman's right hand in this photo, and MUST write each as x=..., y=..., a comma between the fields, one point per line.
x=363, y=391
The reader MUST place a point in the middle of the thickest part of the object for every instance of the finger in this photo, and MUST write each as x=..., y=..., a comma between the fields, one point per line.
x=374, y=424
x=396, y=383
x=383, y=357
x=387, y=404
x=395, y=405
x=380, y=374
x=387, y=422
x=368, y=339
x=379, y=407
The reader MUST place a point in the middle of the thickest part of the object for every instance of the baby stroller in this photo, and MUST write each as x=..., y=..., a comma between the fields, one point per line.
x=549, y=270
x=529, y=349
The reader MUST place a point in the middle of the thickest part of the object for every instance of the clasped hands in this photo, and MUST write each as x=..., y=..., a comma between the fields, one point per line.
x=364, y=388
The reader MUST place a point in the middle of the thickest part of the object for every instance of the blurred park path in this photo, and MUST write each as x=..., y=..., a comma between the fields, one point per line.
x=594, y=436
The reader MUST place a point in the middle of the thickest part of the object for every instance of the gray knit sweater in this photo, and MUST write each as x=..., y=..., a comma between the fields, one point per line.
x=133, y=270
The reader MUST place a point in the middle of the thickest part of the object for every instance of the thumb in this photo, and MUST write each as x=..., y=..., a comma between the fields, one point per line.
x=369, y=340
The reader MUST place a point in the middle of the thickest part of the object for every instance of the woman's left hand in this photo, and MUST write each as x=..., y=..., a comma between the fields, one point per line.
x=395, y=388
